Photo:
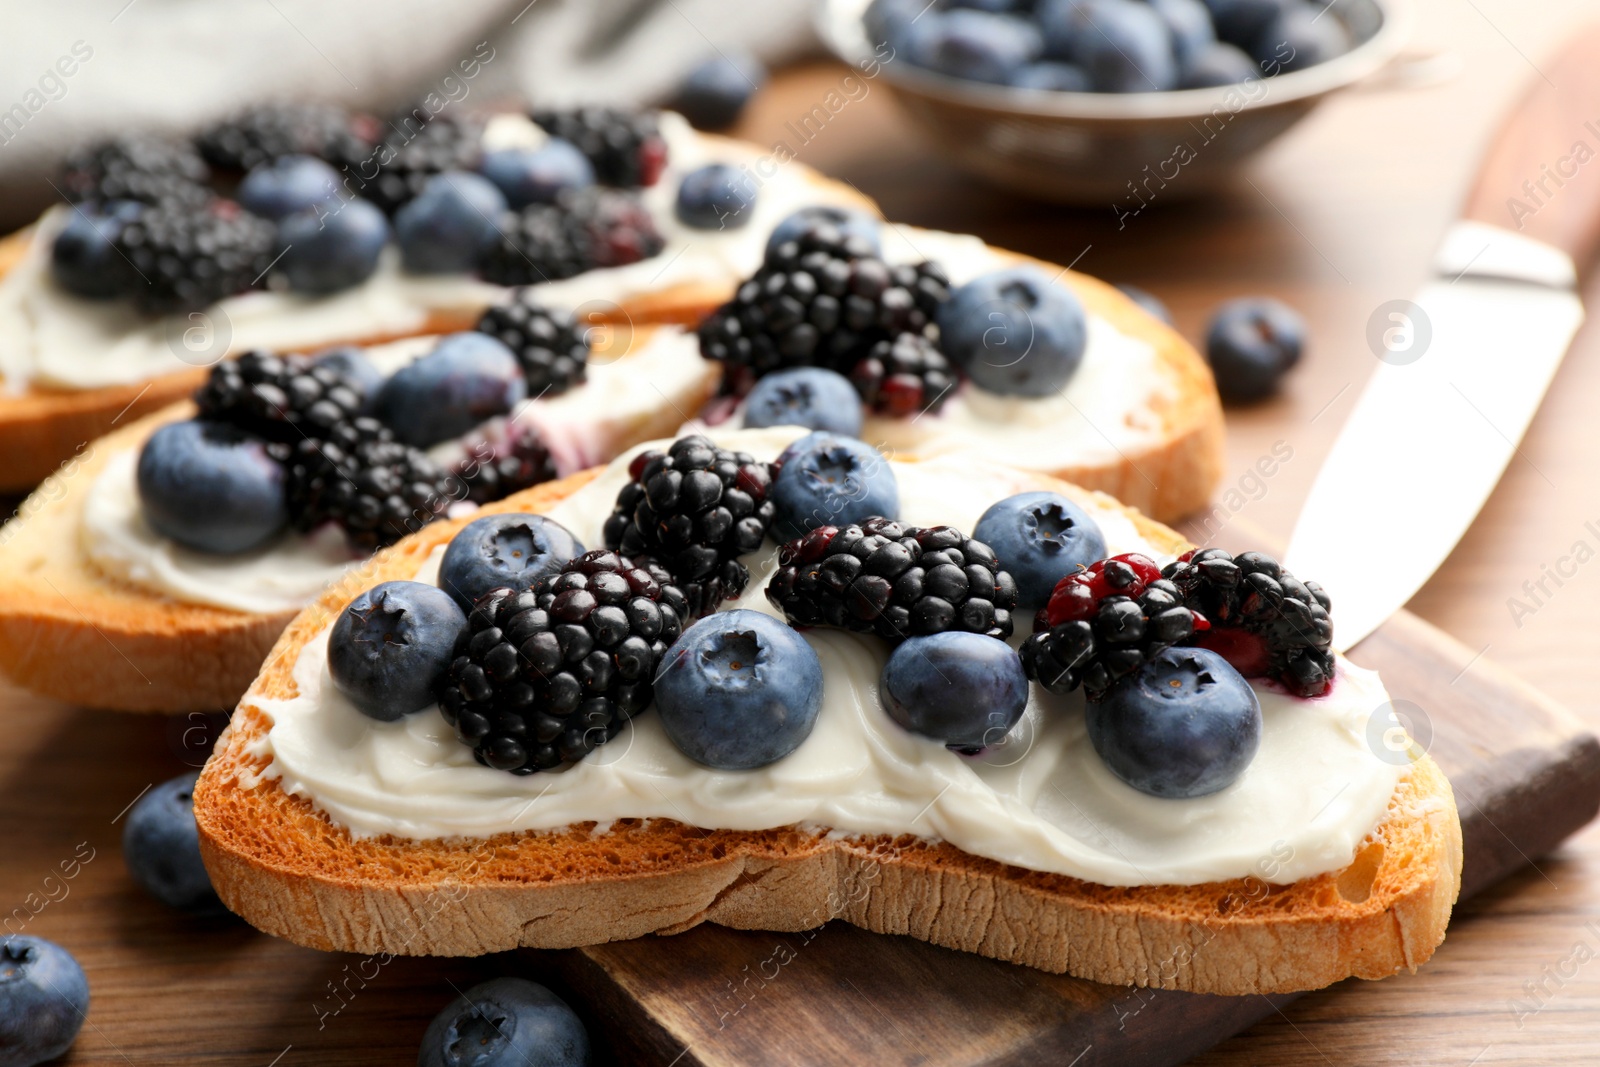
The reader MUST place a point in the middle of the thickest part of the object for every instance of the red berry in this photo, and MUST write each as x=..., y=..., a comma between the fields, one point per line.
x=640, y=462
x=1245, y=652
x=652, y=160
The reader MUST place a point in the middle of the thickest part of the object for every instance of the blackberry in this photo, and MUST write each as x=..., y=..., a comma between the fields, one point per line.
x=152, y=170
x=375, y=488
x=583, y=230
x=415, y=152
x=267, y=132
x=280, y=398
x=184, y=259
x=822, y=299
x=1104, y=623
x=625, y=148
x=894, y=580
x=548, y=343
x=543, y=676
x=903, y=375
x=695, y=509
x=493, y=470
x=1265, y=621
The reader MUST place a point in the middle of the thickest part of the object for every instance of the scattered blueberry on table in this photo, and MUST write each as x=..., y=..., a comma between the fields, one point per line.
x=161, y=846
x=506, y=1022
x=44, y=997
x=1251, y=343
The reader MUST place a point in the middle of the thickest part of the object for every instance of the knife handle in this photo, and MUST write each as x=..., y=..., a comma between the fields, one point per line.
x=1541, y=174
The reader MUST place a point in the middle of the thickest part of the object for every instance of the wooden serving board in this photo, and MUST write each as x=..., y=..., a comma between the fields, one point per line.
x=1526, y=774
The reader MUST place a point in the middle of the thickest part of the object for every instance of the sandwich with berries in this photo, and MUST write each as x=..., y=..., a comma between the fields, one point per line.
x=186, y=540
x=769, y=678
x=293, y=228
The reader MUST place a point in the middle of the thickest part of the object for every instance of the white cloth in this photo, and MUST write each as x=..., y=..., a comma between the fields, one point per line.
x=70, y=73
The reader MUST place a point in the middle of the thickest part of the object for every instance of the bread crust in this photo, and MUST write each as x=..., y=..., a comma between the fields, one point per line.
x=288, y=870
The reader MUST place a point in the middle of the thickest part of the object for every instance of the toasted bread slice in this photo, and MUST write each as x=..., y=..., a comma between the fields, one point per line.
x=287, y=869
x=73, y=633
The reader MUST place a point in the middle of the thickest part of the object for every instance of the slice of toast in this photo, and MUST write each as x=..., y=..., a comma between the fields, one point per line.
x=128, y=649
x=288, y=870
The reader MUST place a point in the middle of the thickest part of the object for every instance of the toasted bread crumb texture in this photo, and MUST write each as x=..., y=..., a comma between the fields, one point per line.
x=284, y=867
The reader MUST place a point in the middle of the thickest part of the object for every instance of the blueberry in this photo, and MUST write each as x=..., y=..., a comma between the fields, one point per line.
x=1242, y=22
x=853, y=223
x=352, y=364
x=717, y=90
x=161, y=846
x=1251, y=343
x=890, y=21
x=812, y=397
x=716, y=197
x=391, y=644
x=1300, y=37
x=1053, y=77
x=513, y=551
x=973, y=45
x=1125, y=46
x=739, y=690
x=211, y=487
x=286, y=185
x=467, y=378
x=82, y=260
x=1040, y=538
x=1015, y=332
x=1183, y=725
x=44, y=997
x=326, y=248
x=505, y=1022
x=829, y=479
x=450, y=224
x=1221, y=64
x=1060, y=25
x=1189, y=24
x=1148, y=302
x=962, y=689
x=536, y=175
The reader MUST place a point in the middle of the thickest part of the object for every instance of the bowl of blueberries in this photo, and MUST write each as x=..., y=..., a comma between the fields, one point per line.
x=1126, y=101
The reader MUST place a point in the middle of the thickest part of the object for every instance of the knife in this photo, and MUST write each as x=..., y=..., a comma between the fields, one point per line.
x=1465, y=365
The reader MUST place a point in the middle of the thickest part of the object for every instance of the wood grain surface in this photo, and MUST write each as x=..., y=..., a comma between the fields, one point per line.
x=1336, y=218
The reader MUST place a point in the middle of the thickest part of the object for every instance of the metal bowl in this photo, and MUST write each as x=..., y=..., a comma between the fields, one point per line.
x=1126, y=148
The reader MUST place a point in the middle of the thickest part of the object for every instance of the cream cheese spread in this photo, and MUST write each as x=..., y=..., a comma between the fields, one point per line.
x=1042, y=800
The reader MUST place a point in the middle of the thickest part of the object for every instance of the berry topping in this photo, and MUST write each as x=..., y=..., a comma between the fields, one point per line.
x=287, y=185
x=450, y=225
x=1251, y=344
x=551, y=346
x=695, y=509
x=44, y=998
x=504, y=551
x=1015, y=332
x=269, y=132
x=151, y=170
x=1264, y=620
x=894, y=580
x=83, y=259
x=280, y=398
x=1183, y=724
x=538, y=175
x=828, y=479
x=716, y=197
x=1042, y=537
x=212, y=487
x=904, y=375
x=420, y=145
x=161, y=846
x=624, y=147
x=583, y=230
x=739, y=690
x=964, y=690
x=849, y=222
x=375, y=488
x=467, y=378
x=326, y=248
x=391, y=645
x=184, y=258
x=805, y=396
x=1104, y=622
x=543, y=676
x=507, y=460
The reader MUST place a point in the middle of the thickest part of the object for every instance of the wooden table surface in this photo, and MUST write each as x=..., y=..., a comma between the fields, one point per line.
x=1339, y=216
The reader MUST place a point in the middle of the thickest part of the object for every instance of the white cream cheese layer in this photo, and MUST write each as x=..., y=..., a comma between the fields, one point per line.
x=582, y=427
x=48, y=337
x=1042, y=800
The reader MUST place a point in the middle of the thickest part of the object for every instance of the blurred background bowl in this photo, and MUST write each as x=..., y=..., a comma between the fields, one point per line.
x=1082, y=148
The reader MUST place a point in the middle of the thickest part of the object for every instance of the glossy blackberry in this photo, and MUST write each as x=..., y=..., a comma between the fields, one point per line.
x=894, y=580
x=1265, y=621
x=493, y=470
x=695, y=509
x=185, y=259
x=625, y=148
x=151, y=170
x=904, y=375
x=550, y=345
x=375, y=488
x=415, y=150
x=822, y=299
x=267, y=132
x=1104, y=623
x=280, y=398
x=543, y=676
x=585, y=229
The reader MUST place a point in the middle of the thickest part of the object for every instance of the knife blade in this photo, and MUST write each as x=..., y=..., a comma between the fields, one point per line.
x=1438, y=422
